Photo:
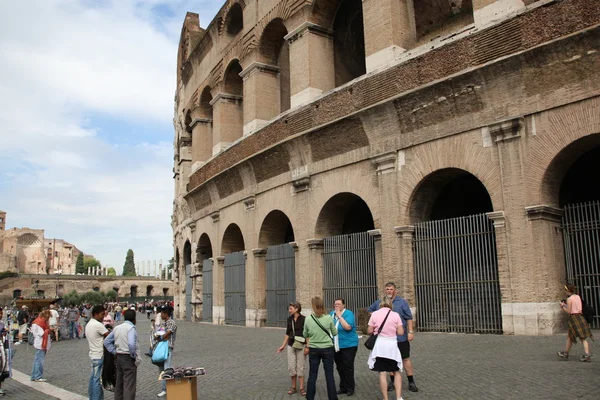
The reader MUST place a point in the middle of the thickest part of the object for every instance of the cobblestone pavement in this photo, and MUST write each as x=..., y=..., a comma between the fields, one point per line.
x=15, y=390
x=242, y=364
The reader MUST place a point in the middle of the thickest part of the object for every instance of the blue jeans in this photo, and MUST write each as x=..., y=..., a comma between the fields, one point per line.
x=38, y=365
x=73, y=331
x=165, y=365
x=314, y=358
x=95, y=391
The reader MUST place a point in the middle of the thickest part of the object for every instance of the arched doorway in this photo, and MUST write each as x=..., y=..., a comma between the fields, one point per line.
x=275, y=235
x=349, y=42
x=187, y=265
x=572, y=179
x=149, y=290
x=235, y=275
x=133, y=292
x=349, y=267
x=204, y=254
x=274, y=51
x=456, y=268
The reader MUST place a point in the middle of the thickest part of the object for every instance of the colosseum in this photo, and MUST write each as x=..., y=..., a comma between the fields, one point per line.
x=325, y=147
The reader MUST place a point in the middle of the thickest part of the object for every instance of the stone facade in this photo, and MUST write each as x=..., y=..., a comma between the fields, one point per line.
x=455, y=108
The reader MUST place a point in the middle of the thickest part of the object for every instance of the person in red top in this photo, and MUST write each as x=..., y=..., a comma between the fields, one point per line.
x=578, y=326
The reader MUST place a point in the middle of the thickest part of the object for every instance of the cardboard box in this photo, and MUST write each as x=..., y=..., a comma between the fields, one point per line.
x=182, y=389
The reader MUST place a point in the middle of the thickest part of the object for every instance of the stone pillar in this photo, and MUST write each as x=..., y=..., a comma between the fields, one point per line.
x=154, y=269
x=219, y=291
x=405, y=235
x=311, y=62
x=315, y=267
x=227, y=120
x=202, y=137
x=389, y=30
x=261, y=95
x=89, y=271
x=488, y=11
x=256, y=303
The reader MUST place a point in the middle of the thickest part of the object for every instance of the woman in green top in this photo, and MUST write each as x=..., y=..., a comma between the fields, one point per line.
x=319, y=331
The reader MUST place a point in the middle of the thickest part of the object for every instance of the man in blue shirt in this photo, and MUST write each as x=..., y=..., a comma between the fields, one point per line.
x=346, y=345
x=123, y=342
x=401, y=307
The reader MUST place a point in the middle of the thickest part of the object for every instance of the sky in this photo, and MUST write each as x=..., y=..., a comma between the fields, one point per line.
x=86, y=107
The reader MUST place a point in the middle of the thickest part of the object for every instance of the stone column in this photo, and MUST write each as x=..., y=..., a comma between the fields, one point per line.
x=315, y=267
x=154, y=269
x=227, y=120
x=405, y=235
x=488, y=11
x=257, y=296
x=389, y=30
x=219, y=291
x=261, y=95
x=311, y=62
x=202, y=137
x=89, y=270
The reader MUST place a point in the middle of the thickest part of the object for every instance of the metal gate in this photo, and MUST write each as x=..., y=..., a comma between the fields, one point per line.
x=207, y=290
x=581, y=233
x=235, y=288
x=281, y=283
x=188, y=292
x=456, y=276
x=349, y=270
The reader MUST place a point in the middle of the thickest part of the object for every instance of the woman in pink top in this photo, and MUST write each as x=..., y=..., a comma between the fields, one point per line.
x=578, y=326
x=385, y=357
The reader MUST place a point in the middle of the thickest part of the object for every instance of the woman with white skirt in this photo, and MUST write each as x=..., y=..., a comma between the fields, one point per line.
x=385, y=357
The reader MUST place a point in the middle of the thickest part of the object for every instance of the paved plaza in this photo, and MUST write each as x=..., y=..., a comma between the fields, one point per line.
x=242, y=363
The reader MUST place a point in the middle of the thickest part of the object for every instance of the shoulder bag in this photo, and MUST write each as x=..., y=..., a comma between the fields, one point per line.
x=321, y=326
x=370, y=343
x=299, y=341
x=161, y=352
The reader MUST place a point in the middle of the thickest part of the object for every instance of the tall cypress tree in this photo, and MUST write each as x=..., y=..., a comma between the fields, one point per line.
x=129, y=266
x=79, y=266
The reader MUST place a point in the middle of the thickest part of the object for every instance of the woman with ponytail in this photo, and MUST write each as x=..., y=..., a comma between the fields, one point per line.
x=41, y=334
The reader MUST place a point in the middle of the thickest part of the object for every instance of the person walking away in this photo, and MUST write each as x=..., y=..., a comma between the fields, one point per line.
x=123, y=343
x=401, y=306
x=578, y=326
x=295, y=353
x=319, y=331
x=53, y=321
x=385, y=357
x=170, y=335
x=42, y=343
x=345, y=344
x=86, y=315
x=73, y=318
x=22, y=321
x=118, y=309
x=95, y=332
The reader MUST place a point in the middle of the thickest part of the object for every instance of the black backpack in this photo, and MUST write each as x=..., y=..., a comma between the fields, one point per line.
x=588, y=312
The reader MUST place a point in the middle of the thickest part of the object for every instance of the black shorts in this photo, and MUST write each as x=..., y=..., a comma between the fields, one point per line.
x=404, y=348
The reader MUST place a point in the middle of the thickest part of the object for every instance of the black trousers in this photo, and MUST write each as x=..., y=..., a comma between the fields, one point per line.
x=344, y=362
x=126, y=378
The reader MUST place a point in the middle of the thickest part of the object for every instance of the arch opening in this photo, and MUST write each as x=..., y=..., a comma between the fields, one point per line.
x=133, y=291
x=235, y=20
x=187, y=253
x=206, y=110
x=204, y=249
x=276, y=229
x=149, y=290
x=233, y=81
x=449, y=193
x=435, y=18
x=577, y=185
x=349, y=42
x=274, y=50
x=233, y=240
x=344, y=213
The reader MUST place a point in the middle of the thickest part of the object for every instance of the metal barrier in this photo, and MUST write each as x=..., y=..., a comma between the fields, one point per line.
x=281, y=283
x=349, y=270
x=456, y=276
x=581, y=234
x=207, y=290
x=235, y=288
x=188, y=292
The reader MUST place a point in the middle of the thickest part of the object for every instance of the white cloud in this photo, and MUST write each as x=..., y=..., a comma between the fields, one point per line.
x=64, y=67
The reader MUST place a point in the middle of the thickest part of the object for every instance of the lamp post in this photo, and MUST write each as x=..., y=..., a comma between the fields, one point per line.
x=58, y=274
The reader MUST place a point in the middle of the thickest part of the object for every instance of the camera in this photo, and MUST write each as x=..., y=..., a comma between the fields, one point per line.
x=564, y=301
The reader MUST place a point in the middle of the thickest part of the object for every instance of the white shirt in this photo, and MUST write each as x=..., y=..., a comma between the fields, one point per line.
x=38, y=337
x=53, y=318
x=94, y=331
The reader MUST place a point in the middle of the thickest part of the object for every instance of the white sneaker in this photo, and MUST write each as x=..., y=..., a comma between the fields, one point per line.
x=16, y=343
x=162, y=394
x=41, y=380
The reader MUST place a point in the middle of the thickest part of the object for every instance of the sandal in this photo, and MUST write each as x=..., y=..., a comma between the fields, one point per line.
x=292, y=390
x=303, y=392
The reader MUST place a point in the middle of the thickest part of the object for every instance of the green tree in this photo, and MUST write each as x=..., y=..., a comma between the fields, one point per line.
x=170, y=267
x=129, y=266
x=111, y=271
x=79, y=267
x=90, y=262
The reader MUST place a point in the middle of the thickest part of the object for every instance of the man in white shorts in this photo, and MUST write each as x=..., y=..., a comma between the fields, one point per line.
x=23, y=321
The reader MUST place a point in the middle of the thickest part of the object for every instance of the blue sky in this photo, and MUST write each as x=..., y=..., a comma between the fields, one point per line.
x=86, y=109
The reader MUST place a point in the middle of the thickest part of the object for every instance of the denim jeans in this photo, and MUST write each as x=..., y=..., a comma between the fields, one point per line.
x=95, y=391
x=165, y=365
x=38, y=365
x=314, y=358
x=73, y=331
